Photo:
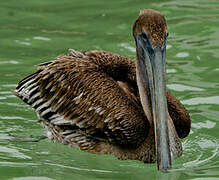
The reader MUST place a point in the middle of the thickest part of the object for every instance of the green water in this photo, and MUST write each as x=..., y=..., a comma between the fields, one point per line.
x=32, y=32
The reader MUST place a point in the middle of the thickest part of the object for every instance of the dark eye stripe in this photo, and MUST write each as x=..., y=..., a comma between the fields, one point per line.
x=144, y=35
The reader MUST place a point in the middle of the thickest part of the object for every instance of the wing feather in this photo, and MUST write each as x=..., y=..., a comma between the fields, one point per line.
x=79, y=93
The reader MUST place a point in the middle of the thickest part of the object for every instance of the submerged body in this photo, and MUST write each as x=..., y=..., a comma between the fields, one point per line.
x=92, y=100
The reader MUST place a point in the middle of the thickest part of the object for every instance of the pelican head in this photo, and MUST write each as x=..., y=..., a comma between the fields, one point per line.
x=150, y=33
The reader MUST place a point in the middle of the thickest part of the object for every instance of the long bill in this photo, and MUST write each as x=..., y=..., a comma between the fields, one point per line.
x=151, y=62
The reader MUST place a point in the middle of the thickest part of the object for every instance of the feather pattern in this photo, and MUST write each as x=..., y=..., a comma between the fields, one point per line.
x=90, y=100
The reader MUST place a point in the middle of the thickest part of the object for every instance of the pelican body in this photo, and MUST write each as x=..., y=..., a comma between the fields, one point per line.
x=105, y=103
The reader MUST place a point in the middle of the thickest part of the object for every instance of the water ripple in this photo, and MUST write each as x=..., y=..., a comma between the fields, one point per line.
x=82, y=169
x=9, y=62
x=23, y=43
x=32, y=178
x=12, y=104
x=41, y=38
x=202, y=100
x=9, y=85
x=207, y=124
x=168, y=46
x=11, y=117
x=16, y=164
x=5, y=92
x=171, y=71
x=198, y=153
x=206, y=178
x=128, y=47
x=205, y=148
x=180, y=87
x=182, y=54
x=12, y=152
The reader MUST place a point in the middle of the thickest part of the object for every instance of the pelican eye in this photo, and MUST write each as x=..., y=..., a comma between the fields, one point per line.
x=144, y=35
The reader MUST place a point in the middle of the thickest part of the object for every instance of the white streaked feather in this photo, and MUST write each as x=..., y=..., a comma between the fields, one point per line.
x=36, y=102
x=49, y=84
x=86, y=144
x=115, y=128
x=38, y=115
x=45, y=104
x=53, y=88
x=82, y=124
x=107, y=120
x=33, y=90
x=61, y=77
x=111, y=127
x=31, y=86
x=56, y=106
x=54, y=116
x=82, y=141
x=60, y=100
x=91, y=108
x=26, y=84
x=71, y=136
x=45, y=76
x=76, y=99
x=102, y=112
x=98, y=109
x=24, y=93
x=76, y=119
x=67, y=132
x=60, y=120
x=79, y=138
x=126, y=125
x=46, y=111
x=49, y=134
x=55, y=75
x=33, y=97
x=51, y=100
x=77, y=53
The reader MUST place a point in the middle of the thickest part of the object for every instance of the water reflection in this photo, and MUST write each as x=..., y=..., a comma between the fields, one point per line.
x=82, y=169
x=32, y=178
x=202, y=100
x=16, y=164
x=171, y=70
x=9, y=85
x=206, y=124
x=23, y=43
x=128, y=47
x=12, y=152
x=199, y=151
x=205, y=178
x=181, y=87
x=9, y=62
x=173, y=175
x=182, y=54
x=41, y=38
x=168, y=46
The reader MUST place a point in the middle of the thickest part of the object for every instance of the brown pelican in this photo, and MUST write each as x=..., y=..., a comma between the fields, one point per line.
x=104, y=103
